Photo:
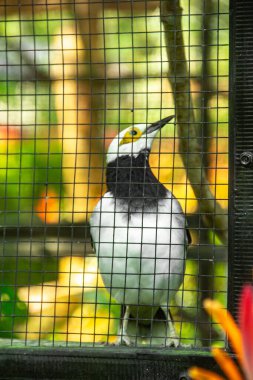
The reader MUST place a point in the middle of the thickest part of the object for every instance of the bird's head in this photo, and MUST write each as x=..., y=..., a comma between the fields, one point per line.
x=135, y=139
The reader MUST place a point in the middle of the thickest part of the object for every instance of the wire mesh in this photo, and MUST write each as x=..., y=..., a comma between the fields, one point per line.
x=80, y=85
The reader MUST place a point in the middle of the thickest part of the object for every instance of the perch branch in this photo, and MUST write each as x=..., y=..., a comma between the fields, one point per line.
x=189, y=132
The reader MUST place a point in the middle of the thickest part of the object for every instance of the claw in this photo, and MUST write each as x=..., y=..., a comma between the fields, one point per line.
x=172, y=342
x=175, y=342
x=124, y=339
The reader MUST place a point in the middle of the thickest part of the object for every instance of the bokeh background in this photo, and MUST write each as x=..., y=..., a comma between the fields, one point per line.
x=71, y=77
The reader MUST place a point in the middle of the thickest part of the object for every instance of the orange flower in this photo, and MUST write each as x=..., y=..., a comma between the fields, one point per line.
x=241, y=340
x=47, y=207
x=227, y=365
x=10, y=132
x=226, y=321
x=203, y=374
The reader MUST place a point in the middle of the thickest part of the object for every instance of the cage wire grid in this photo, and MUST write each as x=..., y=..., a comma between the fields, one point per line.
x=95, y=227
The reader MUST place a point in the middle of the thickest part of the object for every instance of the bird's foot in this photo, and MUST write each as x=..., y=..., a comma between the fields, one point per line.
x=186, y=345
x=172, y=342
x=122, y=337
x=175, y=342
x=123, y=340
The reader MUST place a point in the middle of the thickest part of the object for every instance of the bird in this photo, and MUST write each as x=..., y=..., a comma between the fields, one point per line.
x=139, y=233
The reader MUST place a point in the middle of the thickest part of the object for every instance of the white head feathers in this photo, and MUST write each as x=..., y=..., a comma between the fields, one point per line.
x=132, y=140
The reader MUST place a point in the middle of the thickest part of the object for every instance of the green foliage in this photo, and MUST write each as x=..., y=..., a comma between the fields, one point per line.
x=12, y=311
x=29, y=168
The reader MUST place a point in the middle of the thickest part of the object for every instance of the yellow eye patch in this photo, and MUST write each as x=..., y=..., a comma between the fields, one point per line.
x=131, y=136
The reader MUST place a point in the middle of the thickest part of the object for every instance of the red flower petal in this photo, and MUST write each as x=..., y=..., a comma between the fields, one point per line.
x=246, y=327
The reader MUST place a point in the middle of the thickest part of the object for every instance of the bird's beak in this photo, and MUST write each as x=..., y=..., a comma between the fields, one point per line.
x=158, y=124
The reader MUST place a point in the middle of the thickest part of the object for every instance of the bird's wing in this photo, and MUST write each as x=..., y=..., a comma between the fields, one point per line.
x=92, y=244
x=188, y=235
x=180, y=215
x=95, y=219
x=94, y=224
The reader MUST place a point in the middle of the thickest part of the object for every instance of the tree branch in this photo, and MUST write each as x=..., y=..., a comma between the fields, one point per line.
x=189, y=132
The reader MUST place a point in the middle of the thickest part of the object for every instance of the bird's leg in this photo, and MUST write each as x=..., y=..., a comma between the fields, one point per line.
x=122, y=333
x=172, y=338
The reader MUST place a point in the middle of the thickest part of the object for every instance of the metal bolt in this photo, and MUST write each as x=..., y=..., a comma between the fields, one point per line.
x=183, y=376
x=246, y=158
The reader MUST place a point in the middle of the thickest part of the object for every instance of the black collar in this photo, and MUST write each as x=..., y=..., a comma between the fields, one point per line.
x=131, y=180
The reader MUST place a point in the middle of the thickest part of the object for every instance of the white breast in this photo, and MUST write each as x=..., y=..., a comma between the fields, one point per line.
x=140, y=255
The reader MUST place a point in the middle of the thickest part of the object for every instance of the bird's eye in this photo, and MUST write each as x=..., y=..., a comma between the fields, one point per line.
x=131, y=135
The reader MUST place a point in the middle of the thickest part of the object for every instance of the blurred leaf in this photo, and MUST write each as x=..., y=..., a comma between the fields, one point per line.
x=12, y=311
x=76, y=307
x=26, y=171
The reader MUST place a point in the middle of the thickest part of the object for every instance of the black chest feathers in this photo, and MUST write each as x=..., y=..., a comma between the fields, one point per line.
x=131, y=180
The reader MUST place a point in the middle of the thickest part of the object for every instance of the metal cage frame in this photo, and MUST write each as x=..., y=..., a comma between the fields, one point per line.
x=114, y=363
